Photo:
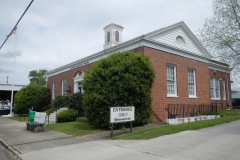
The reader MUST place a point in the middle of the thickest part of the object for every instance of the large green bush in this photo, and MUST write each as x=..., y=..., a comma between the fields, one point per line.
x=67, y=116
x=75, y=102
x=32, y=96
x=122, y=79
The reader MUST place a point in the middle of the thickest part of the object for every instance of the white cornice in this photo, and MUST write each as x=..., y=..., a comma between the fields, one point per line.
x=216, y=66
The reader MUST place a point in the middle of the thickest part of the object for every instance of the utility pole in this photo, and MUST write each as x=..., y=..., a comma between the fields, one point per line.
x=7, y=79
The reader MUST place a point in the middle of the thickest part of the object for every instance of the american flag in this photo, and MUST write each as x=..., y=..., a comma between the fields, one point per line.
x=14, y=31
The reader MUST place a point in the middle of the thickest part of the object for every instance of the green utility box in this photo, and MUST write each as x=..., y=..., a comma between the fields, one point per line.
x=31, y=116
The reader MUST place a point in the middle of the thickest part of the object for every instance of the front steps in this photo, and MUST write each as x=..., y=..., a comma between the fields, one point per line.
x=52, y=118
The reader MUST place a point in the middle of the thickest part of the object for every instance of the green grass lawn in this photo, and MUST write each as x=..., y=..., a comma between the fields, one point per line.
x=77, y=128
x=18, y=118
x=171, y=129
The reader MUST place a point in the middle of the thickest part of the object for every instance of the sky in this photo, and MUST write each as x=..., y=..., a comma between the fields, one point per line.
x=57, y=32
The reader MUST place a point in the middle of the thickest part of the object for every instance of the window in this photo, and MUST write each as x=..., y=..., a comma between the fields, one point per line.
x=191, y=83
x=108, y=37
x=180, y=41
x=223, y=90
x=116, y=36
x=64, y=87
x=214, y=87
x=171, y=81
x=54, y=90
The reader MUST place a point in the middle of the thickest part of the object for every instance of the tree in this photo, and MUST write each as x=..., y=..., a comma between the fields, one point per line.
x=38, y=77
x=221, y=33
x=32, y=96
x=122, y=79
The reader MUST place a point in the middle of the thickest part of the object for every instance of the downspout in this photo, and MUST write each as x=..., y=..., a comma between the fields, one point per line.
x=228, y=93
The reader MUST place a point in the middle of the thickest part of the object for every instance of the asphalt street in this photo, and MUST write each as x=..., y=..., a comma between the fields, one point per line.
x=221, y=142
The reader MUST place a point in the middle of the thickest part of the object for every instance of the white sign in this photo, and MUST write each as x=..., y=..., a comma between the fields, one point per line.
x=40, y=117
x=122, y=114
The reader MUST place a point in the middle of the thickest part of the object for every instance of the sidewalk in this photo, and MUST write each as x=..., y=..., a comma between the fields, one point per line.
x=215, y=143
x=15, y=137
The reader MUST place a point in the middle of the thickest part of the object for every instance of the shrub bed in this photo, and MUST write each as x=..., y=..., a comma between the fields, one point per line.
x=67, y=116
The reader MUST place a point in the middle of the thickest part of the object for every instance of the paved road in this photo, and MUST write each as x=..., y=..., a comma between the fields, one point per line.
x=221, y=142
x=4, y=154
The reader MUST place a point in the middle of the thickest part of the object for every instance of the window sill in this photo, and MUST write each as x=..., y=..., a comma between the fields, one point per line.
x=216, y=99
x=192, y=97
x=172, y=96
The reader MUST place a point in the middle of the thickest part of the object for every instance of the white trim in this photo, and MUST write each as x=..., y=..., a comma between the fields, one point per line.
x=224, y=90
x=54, y=87
x=218, y=67
x=64, y=90
x=194, y=83
x=192, y=97
x=78, y=78
x=172, y=96
x=175, y=80
x=215, y=98
x=145, y=41
x=214, y=89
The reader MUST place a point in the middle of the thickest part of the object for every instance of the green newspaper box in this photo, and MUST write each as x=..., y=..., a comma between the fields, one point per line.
x=31, y=116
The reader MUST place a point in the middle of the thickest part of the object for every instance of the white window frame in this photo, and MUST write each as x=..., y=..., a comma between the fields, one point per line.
x=64, y=87
x=54, y=90
x=192, y=84
x=223, y=89
x=215, y=88
x=174, y=80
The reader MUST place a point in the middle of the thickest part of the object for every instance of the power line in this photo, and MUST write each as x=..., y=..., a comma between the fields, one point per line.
x=16, y=24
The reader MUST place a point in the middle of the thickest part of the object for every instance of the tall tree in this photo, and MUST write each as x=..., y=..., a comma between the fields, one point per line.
x=38, y=77
x=221, y=34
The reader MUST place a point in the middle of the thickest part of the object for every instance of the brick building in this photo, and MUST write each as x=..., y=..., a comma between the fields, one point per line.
x=185, y=73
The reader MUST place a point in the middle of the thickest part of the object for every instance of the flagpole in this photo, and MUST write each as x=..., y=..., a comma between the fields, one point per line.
x=14, y=70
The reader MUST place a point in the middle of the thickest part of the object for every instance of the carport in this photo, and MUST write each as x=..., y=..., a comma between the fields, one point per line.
x=5, y=94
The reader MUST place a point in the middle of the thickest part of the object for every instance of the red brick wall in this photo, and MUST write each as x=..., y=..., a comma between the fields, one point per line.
x=68, y=76
x=159, y=60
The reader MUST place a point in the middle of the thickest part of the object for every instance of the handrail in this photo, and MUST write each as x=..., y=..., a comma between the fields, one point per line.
x=157, y=117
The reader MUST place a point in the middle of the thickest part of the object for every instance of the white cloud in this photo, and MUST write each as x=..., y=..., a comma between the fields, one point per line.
x=10, y=54
x=54, y=33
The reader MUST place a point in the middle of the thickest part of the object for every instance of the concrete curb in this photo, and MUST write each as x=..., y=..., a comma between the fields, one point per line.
x=11, y=149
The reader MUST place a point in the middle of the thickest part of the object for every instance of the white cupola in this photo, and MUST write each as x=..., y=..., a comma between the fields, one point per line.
x=113, y=35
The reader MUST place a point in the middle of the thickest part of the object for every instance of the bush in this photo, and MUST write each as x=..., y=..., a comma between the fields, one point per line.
x=223, y=113
x=75, y=102
x=226, y=113
x=122, y=79
x=61, y=101
x=82, y=119
x=67, y=116
x=32, y=96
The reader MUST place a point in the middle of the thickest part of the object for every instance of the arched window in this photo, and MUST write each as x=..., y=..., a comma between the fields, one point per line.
x=108, y=37
x=116, y=36
x=180, y=40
